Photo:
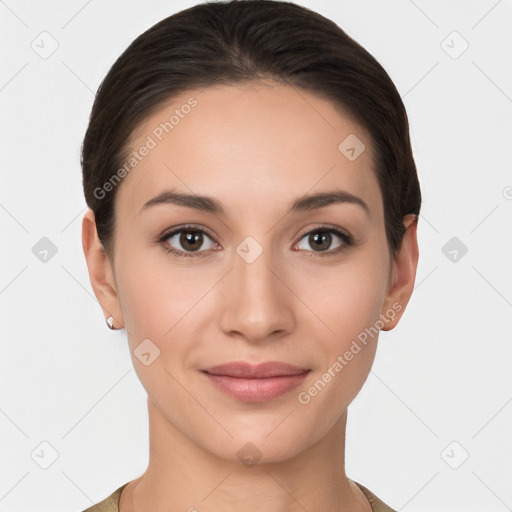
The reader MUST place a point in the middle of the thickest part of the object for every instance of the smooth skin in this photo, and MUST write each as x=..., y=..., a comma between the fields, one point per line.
x=254, y=148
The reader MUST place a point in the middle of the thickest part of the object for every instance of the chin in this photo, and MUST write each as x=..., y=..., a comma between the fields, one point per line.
x=261, y=445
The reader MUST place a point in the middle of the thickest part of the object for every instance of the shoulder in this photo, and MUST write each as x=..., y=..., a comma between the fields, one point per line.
x=377, y=504
x=110, y=503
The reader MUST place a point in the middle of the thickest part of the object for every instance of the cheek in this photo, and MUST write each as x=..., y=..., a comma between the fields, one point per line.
x=349, y=303
x=141, y=301
x=160, y=303
x=153, y=309
x=345, y=299
x=154, y=294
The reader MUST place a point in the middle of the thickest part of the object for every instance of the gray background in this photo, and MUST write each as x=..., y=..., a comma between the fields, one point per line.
x=431, y=428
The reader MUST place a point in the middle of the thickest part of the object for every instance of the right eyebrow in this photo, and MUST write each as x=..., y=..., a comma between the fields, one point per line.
x=203, y=203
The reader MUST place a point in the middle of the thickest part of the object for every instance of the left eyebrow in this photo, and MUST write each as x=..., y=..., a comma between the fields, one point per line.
x=315, y=201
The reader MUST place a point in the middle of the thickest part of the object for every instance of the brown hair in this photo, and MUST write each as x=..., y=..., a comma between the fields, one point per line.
x=229, y=42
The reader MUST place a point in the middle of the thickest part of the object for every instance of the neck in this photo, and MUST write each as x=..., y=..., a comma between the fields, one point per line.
x=183, y=476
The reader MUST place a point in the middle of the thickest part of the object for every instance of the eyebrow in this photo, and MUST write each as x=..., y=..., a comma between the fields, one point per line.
x=210, y=205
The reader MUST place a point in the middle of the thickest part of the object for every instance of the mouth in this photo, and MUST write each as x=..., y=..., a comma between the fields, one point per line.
x=256, y=383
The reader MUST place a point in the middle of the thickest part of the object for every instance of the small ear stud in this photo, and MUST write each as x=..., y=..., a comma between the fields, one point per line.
x=110, y=322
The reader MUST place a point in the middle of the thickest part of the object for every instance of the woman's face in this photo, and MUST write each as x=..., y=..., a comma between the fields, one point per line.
x=241, y=264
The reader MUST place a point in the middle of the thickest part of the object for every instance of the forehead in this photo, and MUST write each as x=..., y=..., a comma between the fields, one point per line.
x=249, y=142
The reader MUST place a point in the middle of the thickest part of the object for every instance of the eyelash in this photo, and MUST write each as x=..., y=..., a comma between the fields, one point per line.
x=347, y=239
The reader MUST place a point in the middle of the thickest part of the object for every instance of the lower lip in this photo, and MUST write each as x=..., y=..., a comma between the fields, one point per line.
x=256, y=390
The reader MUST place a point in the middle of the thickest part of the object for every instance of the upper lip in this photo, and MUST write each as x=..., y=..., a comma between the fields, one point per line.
x=245, y=370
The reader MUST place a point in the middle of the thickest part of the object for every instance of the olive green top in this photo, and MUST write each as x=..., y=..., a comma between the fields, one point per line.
x=111, y=504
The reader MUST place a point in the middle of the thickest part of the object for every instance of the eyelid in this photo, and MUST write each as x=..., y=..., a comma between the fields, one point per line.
x=327, y=227
x=347, y=240
x=178, y=253
x=191, y=227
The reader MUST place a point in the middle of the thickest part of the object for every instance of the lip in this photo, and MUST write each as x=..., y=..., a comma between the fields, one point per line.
x=256, y=383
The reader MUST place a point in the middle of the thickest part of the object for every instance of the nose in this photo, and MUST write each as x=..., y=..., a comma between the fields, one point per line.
x=256, y=304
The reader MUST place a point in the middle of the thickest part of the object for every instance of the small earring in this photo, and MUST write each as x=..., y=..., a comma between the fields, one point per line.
x=110, y=322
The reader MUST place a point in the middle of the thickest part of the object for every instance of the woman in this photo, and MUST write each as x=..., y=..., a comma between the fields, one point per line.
x=253, y=204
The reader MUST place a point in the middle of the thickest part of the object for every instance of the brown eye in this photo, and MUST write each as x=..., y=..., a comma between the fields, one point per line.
x=322, y=240
x=319, y=241
x=183, y=241
x=191, y=240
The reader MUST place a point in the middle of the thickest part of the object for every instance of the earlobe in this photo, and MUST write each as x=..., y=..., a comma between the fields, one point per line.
x=100, y=270
x=403, y=277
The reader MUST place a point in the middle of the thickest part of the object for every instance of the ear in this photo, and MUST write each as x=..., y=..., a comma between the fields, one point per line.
x=101, y=273
x=403, y=274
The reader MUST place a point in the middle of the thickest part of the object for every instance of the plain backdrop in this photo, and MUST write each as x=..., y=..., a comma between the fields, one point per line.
x=430, y=430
